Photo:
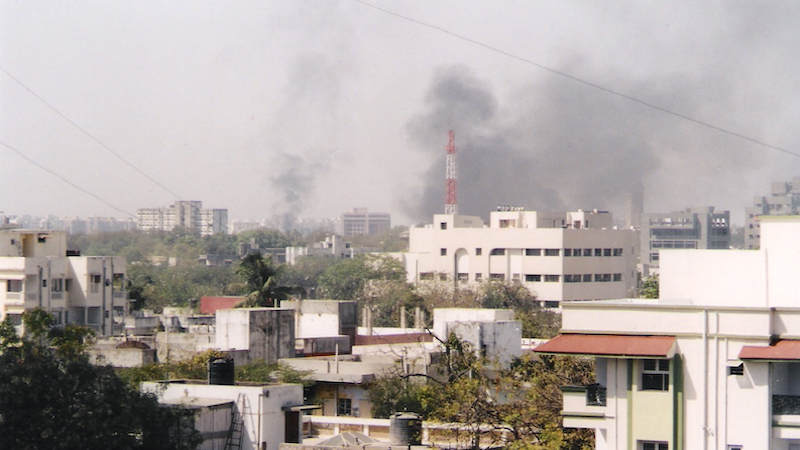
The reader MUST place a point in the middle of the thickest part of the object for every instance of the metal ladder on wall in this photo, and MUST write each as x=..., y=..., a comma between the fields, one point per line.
x=236, y=431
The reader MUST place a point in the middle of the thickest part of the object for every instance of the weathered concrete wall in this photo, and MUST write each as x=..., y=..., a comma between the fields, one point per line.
x=123, y=357
x=267, y=333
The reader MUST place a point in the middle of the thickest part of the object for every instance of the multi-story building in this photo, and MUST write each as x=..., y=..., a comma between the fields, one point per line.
x=784, y=199
x=693, y=228
x=360, y=222
x=36, y=270
x=558, y=256
x=187, y=214
x=713, y=364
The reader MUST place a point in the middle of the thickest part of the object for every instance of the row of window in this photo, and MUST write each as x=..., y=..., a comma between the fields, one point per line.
x=574, y=252
x=529, y=278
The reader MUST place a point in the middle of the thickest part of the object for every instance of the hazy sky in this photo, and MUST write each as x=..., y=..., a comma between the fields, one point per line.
x=315, y=107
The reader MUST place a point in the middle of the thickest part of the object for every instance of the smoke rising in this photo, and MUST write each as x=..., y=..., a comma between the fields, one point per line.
x=558, y=145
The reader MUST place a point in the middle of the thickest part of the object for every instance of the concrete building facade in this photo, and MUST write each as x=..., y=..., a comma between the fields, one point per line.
x=35, y=271
x=713, y=364
x=360, y=221
x=187, y=214
x=692, y=228
x=251, y=417
x=783, y=199
x=558, y=256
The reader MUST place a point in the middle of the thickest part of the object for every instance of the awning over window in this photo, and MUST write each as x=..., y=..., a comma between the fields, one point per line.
x=613, y=346
x=783, y=350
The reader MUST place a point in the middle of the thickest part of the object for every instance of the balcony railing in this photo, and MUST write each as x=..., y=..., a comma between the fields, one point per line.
x=595, y=395
x=786, y=405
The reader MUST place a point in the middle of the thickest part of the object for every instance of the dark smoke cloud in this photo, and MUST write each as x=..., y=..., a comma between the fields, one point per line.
x=560, y=145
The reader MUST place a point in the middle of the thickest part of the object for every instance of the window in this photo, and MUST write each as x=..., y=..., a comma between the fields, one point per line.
x=44, y=283
x=617, y=277
x=587, y=278
x=598, y=277
x=572, y=278
x=42, y=239
x=606, y=277
x=617, y=252
x=95, y=283
x=532, y=278
x=478, y=251
x=426, y=276
x=478, y=277
x=443, y=225
x=552, y=252
x=344, y=407
x=587, y=252
x=463, y=277
x=498, y=252
x=655, y=375
x=443, y=252
x=653, y=256
x=533, y=252
x=13, y=285
x=736, y=370
x=567, y=252
x=655, y=446
x=576, y=252
x=606, y=252
x=497, y=276
x=598, y=252
x=442, y=277
x=551, y=278
x=515, y=277
x=57, y=285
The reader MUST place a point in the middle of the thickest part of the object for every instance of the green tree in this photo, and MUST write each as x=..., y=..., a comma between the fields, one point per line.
x=523, y=401
x=305, y=273
x=260, y=276
x=536, y=321
x=348, y=279
x=649, y=287
x=65, y=402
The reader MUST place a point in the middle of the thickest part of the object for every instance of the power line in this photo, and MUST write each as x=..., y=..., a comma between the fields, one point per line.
x=64, y=179
x=580, y=80
x=88, y=134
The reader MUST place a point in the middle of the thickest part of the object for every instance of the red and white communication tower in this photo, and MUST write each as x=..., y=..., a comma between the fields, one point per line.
x=450, y=200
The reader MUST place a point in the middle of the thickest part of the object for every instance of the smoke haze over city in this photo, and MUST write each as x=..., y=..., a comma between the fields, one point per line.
x=307, y=109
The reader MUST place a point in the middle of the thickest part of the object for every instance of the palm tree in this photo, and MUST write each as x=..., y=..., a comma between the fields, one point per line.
x=260, y=277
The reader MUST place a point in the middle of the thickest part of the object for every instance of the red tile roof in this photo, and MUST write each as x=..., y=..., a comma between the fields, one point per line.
x=784, y=350
x=610, y=345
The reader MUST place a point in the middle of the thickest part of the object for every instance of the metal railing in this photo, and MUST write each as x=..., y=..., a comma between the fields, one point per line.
x=786, y=405
x=595, y=395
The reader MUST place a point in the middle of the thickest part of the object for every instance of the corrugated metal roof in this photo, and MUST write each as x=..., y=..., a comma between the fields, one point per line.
x=783, y=350
x=610, y=345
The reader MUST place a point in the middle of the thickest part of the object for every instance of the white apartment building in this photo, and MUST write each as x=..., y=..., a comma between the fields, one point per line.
x=35, y=271
x=188, y=214
x=713, y=364
x=558, y=256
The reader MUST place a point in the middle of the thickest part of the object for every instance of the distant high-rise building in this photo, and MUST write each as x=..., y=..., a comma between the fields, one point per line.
x=784, y=200
x=188, y=214
x=691, y=228
x=360, y=222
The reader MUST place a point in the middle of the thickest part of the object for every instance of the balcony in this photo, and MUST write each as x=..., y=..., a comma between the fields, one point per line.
x=584, y=406
x=786, y=416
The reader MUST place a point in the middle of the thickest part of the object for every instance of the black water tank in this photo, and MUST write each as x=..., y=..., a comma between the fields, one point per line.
x=405, y=429
x=221, y=371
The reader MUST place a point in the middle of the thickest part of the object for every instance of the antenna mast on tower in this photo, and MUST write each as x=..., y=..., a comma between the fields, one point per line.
x=450, y=201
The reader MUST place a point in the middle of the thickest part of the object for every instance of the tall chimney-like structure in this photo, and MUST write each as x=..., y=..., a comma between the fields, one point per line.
x=450, y=201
